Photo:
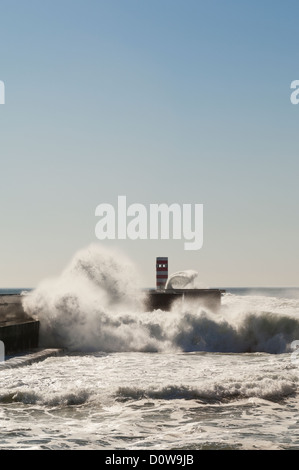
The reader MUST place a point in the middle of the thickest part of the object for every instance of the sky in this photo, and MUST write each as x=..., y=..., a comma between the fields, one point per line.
x=163, y=101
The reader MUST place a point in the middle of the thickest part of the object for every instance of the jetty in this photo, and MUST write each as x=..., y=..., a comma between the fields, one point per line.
x=18, y=331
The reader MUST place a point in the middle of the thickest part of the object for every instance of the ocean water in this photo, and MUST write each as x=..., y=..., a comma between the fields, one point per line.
x=128, y=379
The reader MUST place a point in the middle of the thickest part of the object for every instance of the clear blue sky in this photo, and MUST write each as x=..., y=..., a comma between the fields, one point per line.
x=183, y=101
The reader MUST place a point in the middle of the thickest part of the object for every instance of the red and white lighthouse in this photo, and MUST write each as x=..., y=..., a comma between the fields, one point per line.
x=161, y=272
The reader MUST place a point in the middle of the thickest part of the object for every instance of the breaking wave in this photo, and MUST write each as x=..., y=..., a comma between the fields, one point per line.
x=95, y=305
x=265, y=388
x=31, y=397
x=181, y=280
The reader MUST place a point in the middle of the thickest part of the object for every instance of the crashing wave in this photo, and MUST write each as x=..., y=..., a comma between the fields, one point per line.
x=181, y=280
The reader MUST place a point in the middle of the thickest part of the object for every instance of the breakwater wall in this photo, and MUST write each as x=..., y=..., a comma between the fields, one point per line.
x=18, y=331
x=164, y=299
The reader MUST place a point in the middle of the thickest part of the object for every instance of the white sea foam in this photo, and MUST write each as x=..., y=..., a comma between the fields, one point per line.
x=150, y=401
x=258, y=386
x=96, y=304
x=87, y=306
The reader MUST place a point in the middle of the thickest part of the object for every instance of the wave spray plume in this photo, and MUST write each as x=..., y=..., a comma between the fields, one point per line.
x=96, y=305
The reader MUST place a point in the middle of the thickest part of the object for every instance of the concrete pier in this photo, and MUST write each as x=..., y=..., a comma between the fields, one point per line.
x=163, y=299
x=18, y=331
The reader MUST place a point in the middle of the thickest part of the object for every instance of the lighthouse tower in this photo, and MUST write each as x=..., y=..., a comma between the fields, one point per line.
x=161, y=272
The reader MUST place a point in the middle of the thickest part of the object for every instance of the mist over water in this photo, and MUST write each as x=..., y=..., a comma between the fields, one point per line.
x=97, y=304
x=87, y=307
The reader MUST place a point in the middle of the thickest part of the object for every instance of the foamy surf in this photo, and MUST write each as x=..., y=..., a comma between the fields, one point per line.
x=151, y=401
x=222, y=391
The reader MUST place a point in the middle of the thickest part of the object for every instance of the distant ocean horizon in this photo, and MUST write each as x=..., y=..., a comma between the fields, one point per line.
x=288, y=292
x=14, y=290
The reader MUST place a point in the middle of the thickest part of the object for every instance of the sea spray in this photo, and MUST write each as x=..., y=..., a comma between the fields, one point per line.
x=96, y=305
x=181, y=280
x=87, y=306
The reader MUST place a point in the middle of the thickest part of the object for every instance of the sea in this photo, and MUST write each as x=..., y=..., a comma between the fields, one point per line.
x=125, y=379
